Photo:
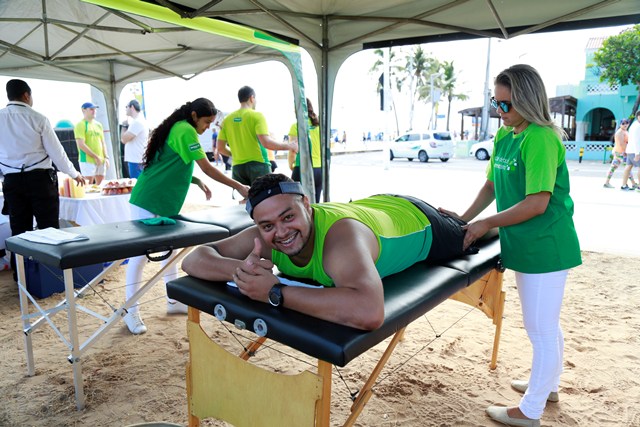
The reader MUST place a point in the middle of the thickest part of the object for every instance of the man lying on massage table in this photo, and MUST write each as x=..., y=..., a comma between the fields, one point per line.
x=346, y=247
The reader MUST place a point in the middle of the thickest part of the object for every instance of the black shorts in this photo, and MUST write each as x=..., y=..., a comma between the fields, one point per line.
x=448, y=235
x=246, y=173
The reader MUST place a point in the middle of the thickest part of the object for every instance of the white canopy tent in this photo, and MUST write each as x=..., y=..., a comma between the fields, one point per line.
x=111, y=46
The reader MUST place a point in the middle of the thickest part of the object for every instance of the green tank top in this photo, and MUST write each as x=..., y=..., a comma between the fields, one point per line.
x=404, y=235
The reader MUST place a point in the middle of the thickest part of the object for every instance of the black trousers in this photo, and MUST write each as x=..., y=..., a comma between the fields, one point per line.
x=28, y=195
x=317, y=180
x=448, y=235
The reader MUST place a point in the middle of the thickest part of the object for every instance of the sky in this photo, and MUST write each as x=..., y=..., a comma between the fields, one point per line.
x=559, y=57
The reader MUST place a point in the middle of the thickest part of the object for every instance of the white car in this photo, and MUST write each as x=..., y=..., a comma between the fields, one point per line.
x=482, y=150
x=423, y=146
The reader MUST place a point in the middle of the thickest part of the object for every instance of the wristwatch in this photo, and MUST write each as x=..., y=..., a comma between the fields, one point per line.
x=275, y=295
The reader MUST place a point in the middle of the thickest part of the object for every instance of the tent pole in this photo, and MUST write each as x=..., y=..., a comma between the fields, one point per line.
x=294, y=65
x=325, y=111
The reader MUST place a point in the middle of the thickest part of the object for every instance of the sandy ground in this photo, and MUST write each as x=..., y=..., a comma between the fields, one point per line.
x=429, y=381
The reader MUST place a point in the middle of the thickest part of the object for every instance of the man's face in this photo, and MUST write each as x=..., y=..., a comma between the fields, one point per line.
x=89, y=113
x=286, y=225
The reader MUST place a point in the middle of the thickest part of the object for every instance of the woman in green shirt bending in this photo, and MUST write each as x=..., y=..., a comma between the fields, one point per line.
x=161, y=189
x=529, y=180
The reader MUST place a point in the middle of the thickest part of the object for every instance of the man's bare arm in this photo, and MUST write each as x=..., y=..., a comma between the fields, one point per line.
x=268, y=142
x=127, y=137
x=357, y=300
x=223, y=148
x=218, y=261
x=350, y=251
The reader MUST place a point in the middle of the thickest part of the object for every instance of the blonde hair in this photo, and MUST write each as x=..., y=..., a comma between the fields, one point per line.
x=528, y=95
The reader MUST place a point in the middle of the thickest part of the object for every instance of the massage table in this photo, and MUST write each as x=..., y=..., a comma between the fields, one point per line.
x=107, y=242
x=233, y=218
x=227, y=387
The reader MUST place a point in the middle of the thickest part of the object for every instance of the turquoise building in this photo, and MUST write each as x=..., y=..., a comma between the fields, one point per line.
x=591, y=111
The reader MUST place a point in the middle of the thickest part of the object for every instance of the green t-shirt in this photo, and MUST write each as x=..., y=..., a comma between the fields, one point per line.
x=314, y=136
x=241, y=129
x=528, y=163
x=404, y=235
x=163, y=185
x=92, y=134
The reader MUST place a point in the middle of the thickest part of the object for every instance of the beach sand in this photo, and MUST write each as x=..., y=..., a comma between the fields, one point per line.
x=438, y=376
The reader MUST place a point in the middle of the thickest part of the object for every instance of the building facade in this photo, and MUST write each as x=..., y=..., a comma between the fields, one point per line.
x=598, y=111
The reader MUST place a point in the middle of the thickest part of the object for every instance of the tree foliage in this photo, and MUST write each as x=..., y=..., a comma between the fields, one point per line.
x=619, y=60
x=377, y=69
x=410, y=72
x=418, y=66
x=445, y=83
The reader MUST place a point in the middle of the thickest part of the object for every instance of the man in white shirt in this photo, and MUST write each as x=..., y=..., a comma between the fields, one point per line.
x=135, y=139
x=28, y=150
x=633, y=152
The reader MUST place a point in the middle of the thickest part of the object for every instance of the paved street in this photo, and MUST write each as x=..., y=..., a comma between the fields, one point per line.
x=606, y=219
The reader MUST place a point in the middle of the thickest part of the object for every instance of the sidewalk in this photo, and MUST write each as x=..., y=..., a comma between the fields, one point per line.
x=606, y=218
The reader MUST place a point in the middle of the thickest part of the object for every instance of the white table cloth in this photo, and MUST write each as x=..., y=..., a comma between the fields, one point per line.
x=95, y=209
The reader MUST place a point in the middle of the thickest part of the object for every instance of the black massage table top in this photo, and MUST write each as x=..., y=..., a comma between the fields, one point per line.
x=118, y=240
x=408, y=295
x=233, y=218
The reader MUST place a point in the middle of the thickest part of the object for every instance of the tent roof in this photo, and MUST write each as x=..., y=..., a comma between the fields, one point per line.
x=71, y=40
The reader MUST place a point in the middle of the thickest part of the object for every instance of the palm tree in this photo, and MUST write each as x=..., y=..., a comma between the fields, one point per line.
x=393, y=77
x=445, y=84
x=449, y=80
x=416, y=71
x=426, y=91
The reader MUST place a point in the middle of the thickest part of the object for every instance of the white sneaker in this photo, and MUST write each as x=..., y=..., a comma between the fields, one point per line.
x=134, y=323
x=176, y=307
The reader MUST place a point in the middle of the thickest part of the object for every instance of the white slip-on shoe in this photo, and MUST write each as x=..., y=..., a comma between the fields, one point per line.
x=176, y=307
x=499, y=414
x=134, y=323
x=521, y=386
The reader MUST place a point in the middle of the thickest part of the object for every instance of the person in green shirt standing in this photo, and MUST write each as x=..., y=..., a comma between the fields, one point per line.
x=92, y=151
x=529, y=180
x=244, y=137
x=162, y=187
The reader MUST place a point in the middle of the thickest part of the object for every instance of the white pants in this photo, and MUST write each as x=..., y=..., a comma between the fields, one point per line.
x=135, y=267
x=541, y=300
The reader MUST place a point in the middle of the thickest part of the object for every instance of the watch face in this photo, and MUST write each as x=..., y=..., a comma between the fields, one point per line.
x=275, y=296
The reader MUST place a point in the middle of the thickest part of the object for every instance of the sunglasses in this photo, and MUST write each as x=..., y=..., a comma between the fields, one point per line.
x=504, y=105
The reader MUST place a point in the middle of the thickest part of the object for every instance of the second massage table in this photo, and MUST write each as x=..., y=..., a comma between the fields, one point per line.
x=107, y=242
